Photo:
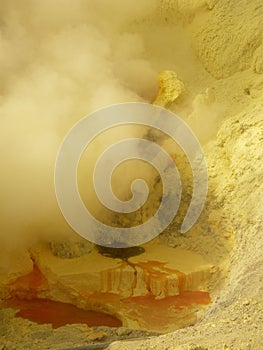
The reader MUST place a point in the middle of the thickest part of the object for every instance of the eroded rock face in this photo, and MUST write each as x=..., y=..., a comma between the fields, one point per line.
x=160, y=281
x=234, y=49
x=235, y=317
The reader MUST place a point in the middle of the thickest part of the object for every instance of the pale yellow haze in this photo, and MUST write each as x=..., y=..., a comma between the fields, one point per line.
x=61, y=60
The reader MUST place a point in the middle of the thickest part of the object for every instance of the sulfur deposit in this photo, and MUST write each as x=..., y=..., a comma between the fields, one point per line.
x=170, y=88
x=62, y=60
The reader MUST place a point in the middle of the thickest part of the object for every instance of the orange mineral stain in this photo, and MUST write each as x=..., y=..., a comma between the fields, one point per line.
x=187, y=298
x=59, y=314
x=158, y=270
x=159, y=314
x=28, y=286
x=24, y=292
x=152, y=313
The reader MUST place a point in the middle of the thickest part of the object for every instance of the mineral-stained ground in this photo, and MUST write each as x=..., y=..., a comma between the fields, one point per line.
x=50, y=72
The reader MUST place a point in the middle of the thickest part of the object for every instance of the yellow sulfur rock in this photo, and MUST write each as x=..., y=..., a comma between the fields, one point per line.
x=170, y=88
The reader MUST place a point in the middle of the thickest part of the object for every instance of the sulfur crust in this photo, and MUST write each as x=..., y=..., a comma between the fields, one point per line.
x=170, y=88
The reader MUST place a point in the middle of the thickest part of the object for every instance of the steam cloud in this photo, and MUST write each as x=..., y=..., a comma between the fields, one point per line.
x=60, y=60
